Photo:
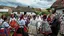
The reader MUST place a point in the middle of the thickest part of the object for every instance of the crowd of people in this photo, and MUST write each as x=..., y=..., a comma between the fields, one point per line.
x=48, y=25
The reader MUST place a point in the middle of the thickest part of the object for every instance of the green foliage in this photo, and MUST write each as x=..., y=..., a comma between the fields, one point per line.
x=1, y=13
x=7, y=15
x=48, y=8
x=37, y=13
x=44, y=13
x=41, y=13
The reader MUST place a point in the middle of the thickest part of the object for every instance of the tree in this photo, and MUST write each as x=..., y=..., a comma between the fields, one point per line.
x=48, y=9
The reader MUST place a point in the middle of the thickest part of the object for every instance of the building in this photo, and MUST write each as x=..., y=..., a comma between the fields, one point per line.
x=20, y=9
x=10, y=9
x=58, y=6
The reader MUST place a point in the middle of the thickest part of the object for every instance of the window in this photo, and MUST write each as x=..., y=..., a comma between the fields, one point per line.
x=63, y=12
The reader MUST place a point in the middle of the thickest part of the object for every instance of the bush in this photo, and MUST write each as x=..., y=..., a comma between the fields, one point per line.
x=41, y=13
x=44, y=13
x=37, y=13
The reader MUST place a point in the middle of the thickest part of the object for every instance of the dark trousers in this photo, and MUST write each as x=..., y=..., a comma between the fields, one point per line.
x=54, y=31
x=21, y=31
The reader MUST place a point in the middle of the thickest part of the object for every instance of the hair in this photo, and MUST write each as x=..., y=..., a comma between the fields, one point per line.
x=5, y=18
x=34, y=16
x=2, y=16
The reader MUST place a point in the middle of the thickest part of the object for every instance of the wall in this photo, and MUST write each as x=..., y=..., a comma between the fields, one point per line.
x=28, y=13
x=60, y=11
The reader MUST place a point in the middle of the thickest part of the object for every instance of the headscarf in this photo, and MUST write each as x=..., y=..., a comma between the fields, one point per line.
x=22, y=17
x=44, y=16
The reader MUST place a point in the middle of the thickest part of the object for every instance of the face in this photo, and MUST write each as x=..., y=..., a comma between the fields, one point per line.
x=12, y=15
x=34, y=17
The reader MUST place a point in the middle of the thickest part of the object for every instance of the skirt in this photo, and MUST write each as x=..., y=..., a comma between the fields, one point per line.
x=32, y=29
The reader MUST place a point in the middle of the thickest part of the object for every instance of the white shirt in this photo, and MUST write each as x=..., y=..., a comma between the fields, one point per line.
x=12, y=19
x=21, y=22
x=1, y=20
x=5, y=24
x=33, y=22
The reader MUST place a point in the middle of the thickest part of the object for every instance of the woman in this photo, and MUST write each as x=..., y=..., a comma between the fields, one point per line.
x=62, y=26
x=13, y=21
x=2, y=20
x=45, y=28
x=33, y=26
x=21, y=23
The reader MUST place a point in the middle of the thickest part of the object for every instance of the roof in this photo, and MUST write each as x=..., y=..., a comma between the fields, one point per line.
x=59, y=4
x=22, y=9
x=27, y=9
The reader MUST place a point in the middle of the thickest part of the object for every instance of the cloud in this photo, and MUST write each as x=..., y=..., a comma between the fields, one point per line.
x=38, y=3
x=31, y=3
x=43, y=4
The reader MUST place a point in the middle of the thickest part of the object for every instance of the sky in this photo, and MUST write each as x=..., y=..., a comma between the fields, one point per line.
x=38, y=3
x=33, y=3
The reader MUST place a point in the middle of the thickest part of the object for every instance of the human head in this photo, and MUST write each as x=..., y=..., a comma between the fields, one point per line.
x=3, y=16
x=5, y=19
x=44, y=16
x=22, y=17
x=34, y=17
x=12, y=15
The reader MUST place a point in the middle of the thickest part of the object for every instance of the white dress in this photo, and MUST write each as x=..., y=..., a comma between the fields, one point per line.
x=33, y=26
x=39, y=22
x=45, y=27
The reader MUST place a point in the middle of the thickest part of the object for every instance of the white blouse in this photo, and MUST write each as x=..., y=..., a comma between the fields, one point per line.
x=12, y=19
x=5, y=24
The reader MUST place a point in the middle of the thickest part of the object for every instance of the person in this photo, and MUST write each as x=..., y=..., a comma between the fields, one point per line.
x=3, y=16
x=1, y=21
x=6, y=27
x=27, y=21
x=45, y=27
x=33, y=26
x=13, y=21
x=55, y=25
x=21, y=23
x=49, y=19
x=38, y=18
x=62, y=26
